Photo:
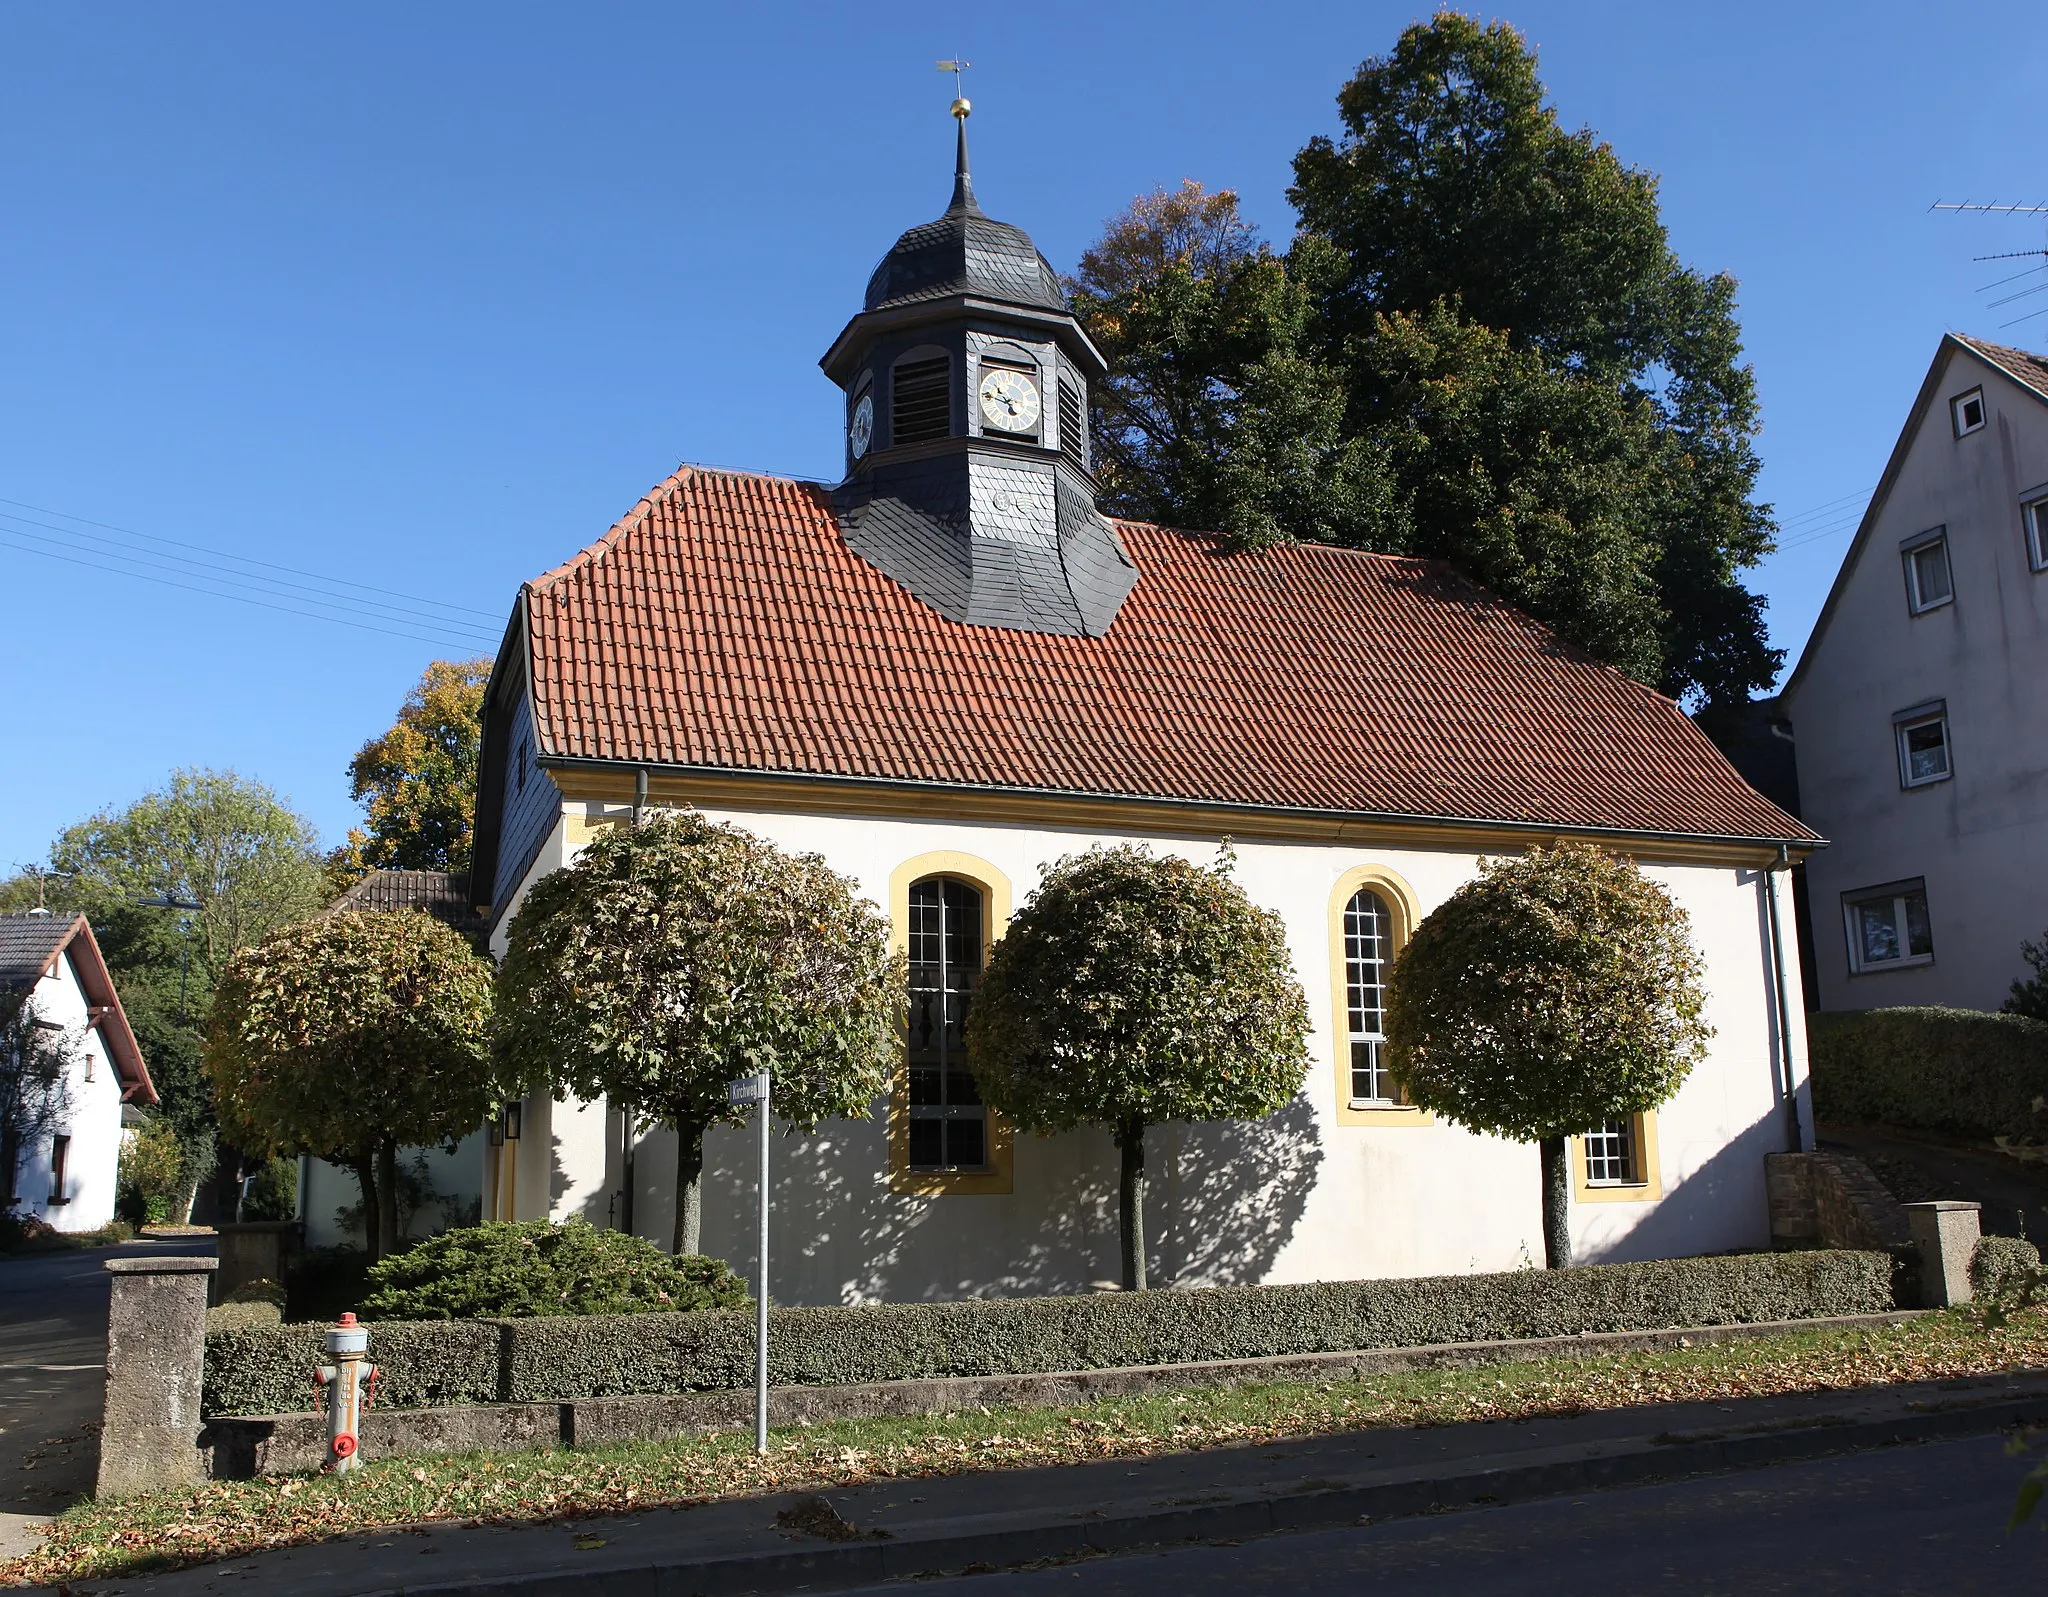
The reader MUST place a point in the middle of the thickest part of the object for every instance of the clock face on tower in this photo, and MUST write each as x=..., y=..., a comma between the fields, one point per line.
x=860, y=431
x=1009, y=400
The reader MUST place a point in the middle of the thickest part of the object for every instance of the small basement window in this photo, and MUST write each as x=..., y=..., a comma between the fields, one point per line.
x=1923, y=747
x=2034, y=514
x=1888, y=927
x=1968, y=411
x=1929, y=583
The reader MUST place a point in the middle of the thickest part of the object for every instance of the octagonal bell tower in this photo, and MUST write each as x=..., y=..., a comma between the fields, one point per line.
x=968, y=473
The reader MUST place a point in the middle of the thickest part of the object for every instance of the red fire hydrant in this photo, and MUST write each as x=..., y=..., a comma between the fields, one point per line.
x=350, y=1382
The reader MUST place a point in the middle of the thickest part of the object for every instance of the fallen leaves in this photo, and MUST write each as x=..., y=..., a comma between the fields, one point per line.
x=228, y=1519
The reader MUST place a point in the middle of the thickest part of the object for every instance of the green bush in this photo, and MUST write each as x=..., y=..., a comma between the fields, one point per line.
x=557, y=1358
x=274, y=1193
x=1999, y=1260
x=515, y=1270
x=1959, y=1071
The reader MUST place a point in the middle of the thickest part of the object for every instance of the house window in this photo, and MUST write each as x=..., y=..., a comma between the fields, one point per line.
x=1928, y=583
x=2035, y=516
x=921, y=400
x=1968, y=411
x=948, y=1122
x=1923, y=745
x=1888, y=927
x=60, y=1156
x=1368, y=946
x=1613, y=1154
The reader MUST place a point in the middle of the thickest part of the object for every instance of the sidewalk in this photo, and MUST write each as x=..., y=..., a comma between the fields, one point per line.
x=903, y=1528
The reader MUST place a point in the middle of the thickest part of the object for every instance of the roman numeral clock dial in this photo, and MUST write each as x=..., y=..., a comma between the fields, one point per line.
x=1009, y=401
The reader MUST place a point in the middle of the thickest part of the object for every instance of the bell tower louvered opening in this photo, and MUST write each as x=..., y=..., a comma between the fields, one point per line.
x=921, y=401
x=1073, y=426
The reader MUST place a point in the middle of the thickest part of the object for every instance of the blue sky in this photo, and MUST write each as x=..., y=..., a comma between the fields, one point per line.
x=423, y=297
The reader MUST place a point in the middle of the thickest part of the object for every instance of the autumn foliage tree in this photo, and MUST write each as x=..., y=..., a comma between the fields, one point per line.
x=1547, y=997
x=417, y=781
x=1134, y=989
x=677, y=955
x=352, y=1035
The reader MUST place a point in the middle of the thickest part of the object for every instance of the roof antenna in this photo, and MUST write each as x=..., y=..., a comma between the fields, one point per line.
x=963, y=184
x=1997, y=209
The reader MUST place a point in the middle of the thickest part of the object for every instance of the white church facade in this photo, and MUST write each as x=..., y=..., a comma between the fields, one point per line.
x=951, y=669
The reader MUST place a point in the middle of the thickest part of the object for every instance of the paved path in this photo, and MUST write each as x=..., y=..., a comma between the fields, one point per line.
x=53, y=1348
x=1928, y=1519
x=2014, y=1195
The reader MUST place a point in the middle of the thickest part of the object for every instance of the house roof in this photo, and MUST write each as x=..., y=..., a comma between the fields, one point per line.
x=2028, y=370
x=442, y=894
x=29, y=946
x=725, y=625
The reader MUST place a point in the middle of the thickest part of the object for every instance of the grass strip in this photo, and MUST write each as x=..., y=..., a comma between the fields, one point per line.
x=233, y=1518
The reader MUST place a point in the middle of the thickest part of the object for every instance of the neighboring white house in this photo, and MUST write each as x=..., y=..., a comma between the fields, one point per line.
x=59, y=1162
x=1916, y=708
x=949, y=670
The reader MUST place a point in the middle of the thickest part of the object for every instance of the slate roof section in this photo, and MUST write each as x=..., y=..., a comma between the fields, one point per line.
x=442, y=894
x=29, y=944
x=725, y=624
x=965, y=251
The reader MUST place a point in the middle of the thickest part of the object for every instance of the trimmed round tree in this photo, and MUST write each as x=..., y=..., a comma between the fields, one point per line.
x=674, y=956
x=1134, y=989
x=1549, y=996
x=349, y=1036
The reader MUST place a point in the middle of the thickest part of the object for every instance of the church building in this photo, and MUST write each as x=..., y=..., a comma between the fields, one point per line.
x=950, y=669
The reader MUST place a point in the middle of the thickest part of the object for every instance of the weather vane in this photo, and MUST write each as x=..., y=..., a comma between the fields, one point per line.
x=961, y=108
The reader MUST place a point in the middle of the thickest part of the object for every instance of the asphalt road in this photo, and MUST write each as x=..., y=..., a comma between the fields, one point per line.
x=53, y=1349
x=1910, y=1520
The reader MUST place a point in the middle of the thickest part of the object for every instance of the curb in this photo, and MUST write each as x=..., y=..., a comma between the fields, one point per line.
x=994, y=1541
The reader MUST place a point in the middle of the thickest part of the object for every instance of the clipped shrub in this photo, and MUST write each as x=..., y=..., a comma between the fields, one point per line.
x=2001, y=1261
x=152, y=1174
x=1959, y=1071
x=558, y=1358
x=520, y=1269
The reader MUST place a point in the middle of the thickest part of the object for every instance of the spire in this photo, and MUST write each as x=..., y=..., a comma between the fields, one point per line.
x=963, y=180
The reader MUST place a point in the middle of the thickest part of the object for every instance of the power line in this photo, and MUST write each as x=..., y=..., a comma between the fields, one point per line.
x=463, y=644
x=107, y=526
x=229, y=578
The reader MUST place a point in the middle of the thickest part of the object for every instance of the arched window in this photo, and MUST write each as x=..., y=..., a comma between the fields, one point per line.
x=1368, y=949
x=948, y=1123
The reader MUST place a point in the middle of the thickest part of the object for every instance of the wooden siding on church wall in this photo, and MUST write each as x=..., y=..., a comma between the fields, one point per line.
x=528, y=816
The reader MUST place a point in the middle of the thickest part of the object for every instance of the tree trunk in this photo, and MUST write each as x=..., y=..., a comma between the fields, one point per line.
x=1130, y=1142
x=1557, y=1204
x=366, y=1177
x=387, y=1198
x=689, y=1186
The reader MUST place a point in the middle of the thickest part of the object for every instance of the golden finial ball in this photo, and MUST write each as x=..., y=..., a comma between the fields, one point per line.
x=962, y=109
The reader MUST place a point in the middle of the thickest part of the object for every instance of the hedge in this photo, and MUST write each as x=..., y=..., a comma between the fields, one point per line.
x=428, y=1363
x=1960, y=1071
x=1998, y=1261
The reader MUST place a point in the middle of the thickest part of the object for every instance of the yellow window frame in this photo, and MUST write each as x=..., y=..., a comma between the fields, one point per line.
x=1649, y=1184
x=1405, y=914
x=1000, y=1176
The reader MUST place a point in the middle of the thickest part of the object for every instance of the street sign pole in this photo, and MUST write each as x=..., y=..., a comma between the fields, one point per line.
x=761, y=1293
x=754, y=1090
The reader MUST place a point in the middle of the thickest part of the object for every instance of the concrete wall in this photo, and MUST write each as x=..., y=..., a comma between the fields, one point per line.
x=1303, y=1196
x=1979, y=839
x=92, y=1117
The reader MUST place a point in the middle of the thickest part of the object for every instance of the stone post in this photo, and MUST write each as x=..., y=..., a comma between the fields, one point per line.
x=253, y=1250
x=1945, y=1236
x=156, y=1362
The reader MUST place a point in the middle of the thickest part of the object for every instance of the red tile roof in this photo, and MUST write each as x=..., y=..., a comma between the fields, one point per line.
x=2021, y=365
x=725, y=624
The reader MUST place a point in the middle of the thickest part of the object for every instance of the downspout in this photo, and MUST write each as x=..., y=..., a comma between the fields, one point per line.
x=1789, y=1082
x=626, y=1127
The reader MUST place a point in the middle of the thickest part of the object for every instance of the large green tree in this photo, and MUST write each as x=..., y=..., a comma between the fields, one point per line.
x=1480, y=347
x=417, y=781
x=349, y=1036
x=212, y=838
x=1549, y=996
x=1134, y=989
x=678, y=955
